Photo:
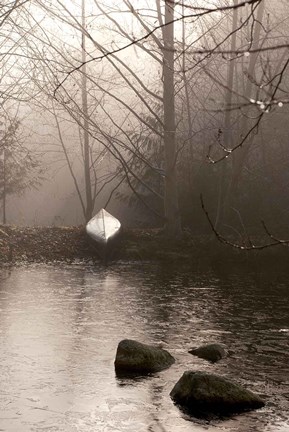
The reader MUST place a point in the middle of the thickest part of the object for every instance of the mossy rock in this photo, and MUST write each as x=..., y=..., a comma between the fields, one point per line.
x=203, y=394
x=210, y=352
x=138, y=358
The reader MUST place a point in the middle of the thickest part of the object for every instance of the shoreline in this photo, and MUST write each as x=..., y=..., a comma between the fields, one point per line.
x=68, y=244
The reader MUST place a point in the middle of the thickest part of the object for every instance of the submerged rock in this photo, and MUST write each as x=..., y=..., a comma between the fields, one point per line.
x=136, y=357
x=211, y=352
x=203, y=394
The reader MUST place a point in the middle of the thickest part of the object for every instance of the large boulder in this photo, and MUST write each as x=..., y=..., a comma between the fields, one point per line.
x=210, y=352
x=204, y=394
x=139, y=358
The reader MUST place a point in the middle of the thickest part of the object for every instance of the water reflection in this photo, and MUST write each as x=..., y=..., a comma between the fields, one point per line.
x=60, y=326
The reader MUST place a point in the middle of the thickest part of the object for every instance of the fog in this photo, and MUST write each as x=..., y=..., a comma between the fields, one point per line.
x=96, y=112
x=173, y=117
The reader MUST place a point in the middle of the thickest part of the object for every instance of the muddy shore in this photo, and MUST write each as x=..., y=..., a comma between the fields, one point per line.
x=70, y=244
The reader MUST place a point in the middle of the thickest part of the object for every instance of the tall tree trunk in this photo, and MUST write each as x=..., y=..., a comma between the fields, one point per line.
x=190, y=155
x=227, y=133
x=171, y=206
x=86, y=155
x=240, y=156
x=4, y=187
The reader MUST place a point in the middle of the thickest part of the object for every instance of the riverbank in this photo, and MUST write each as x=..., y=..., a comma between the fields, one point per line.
x=69, y=244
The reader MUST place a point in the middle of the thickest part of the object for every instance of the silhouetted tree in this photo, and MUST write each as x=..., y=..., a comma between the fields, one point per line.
x=215, y=48
x=19, y=170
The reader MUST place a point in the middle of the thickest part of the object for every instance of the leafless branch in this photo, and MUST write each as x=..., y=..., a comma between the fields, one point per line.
x=203, y=12
x=250, y=245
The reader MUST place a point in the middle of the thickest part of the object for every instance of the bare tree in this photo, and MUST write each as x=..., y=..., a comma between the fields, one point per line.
x=19, y=168
x=188, y=47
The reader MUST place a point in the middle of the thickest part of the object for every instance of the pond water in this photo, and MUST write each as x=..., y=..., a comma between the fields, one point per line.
x=60, y=326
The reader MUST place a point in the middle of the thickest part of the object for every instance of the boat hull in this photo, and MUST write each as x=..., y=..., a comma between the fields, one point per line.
x=103, y=227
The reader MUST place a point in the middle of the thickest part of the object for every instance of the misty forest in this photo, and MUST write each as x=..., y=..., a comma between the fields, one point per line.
x=144, y=183
x=142, y=107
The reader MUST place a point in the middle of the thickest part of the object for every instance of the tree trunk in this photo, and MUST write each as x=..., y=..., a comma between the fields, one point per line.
x=4, y=187
x=227, y=133
x=171, y=206
x=86, y=158
x=240, y=156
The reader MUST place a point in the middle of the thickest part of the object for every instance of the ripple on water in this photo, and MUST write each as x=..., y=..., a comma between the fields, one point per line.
x=60, y=326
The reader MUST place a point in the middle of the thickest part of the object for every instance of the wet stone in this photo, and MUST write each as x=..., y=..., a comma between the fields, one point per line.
x=139, y=358
x=203, y=394
x=210, y=352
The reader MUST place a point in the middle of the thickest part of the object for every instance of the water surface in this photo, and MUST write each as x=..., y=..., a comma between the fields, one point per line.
x=60, y=326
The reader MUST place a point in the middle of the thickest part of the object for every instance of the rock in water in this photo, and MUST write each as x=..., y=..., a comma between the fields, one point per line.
x=204, y=394
x=135, y=357
x=211, y=352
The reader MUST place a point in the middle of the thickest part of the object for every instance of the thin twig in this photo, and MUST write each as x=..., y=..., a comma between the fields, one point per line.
x=252, y=246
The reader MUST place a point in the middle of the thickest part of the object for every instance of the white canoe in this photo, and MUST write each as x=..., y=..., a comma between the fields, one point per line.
x=103, y=227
